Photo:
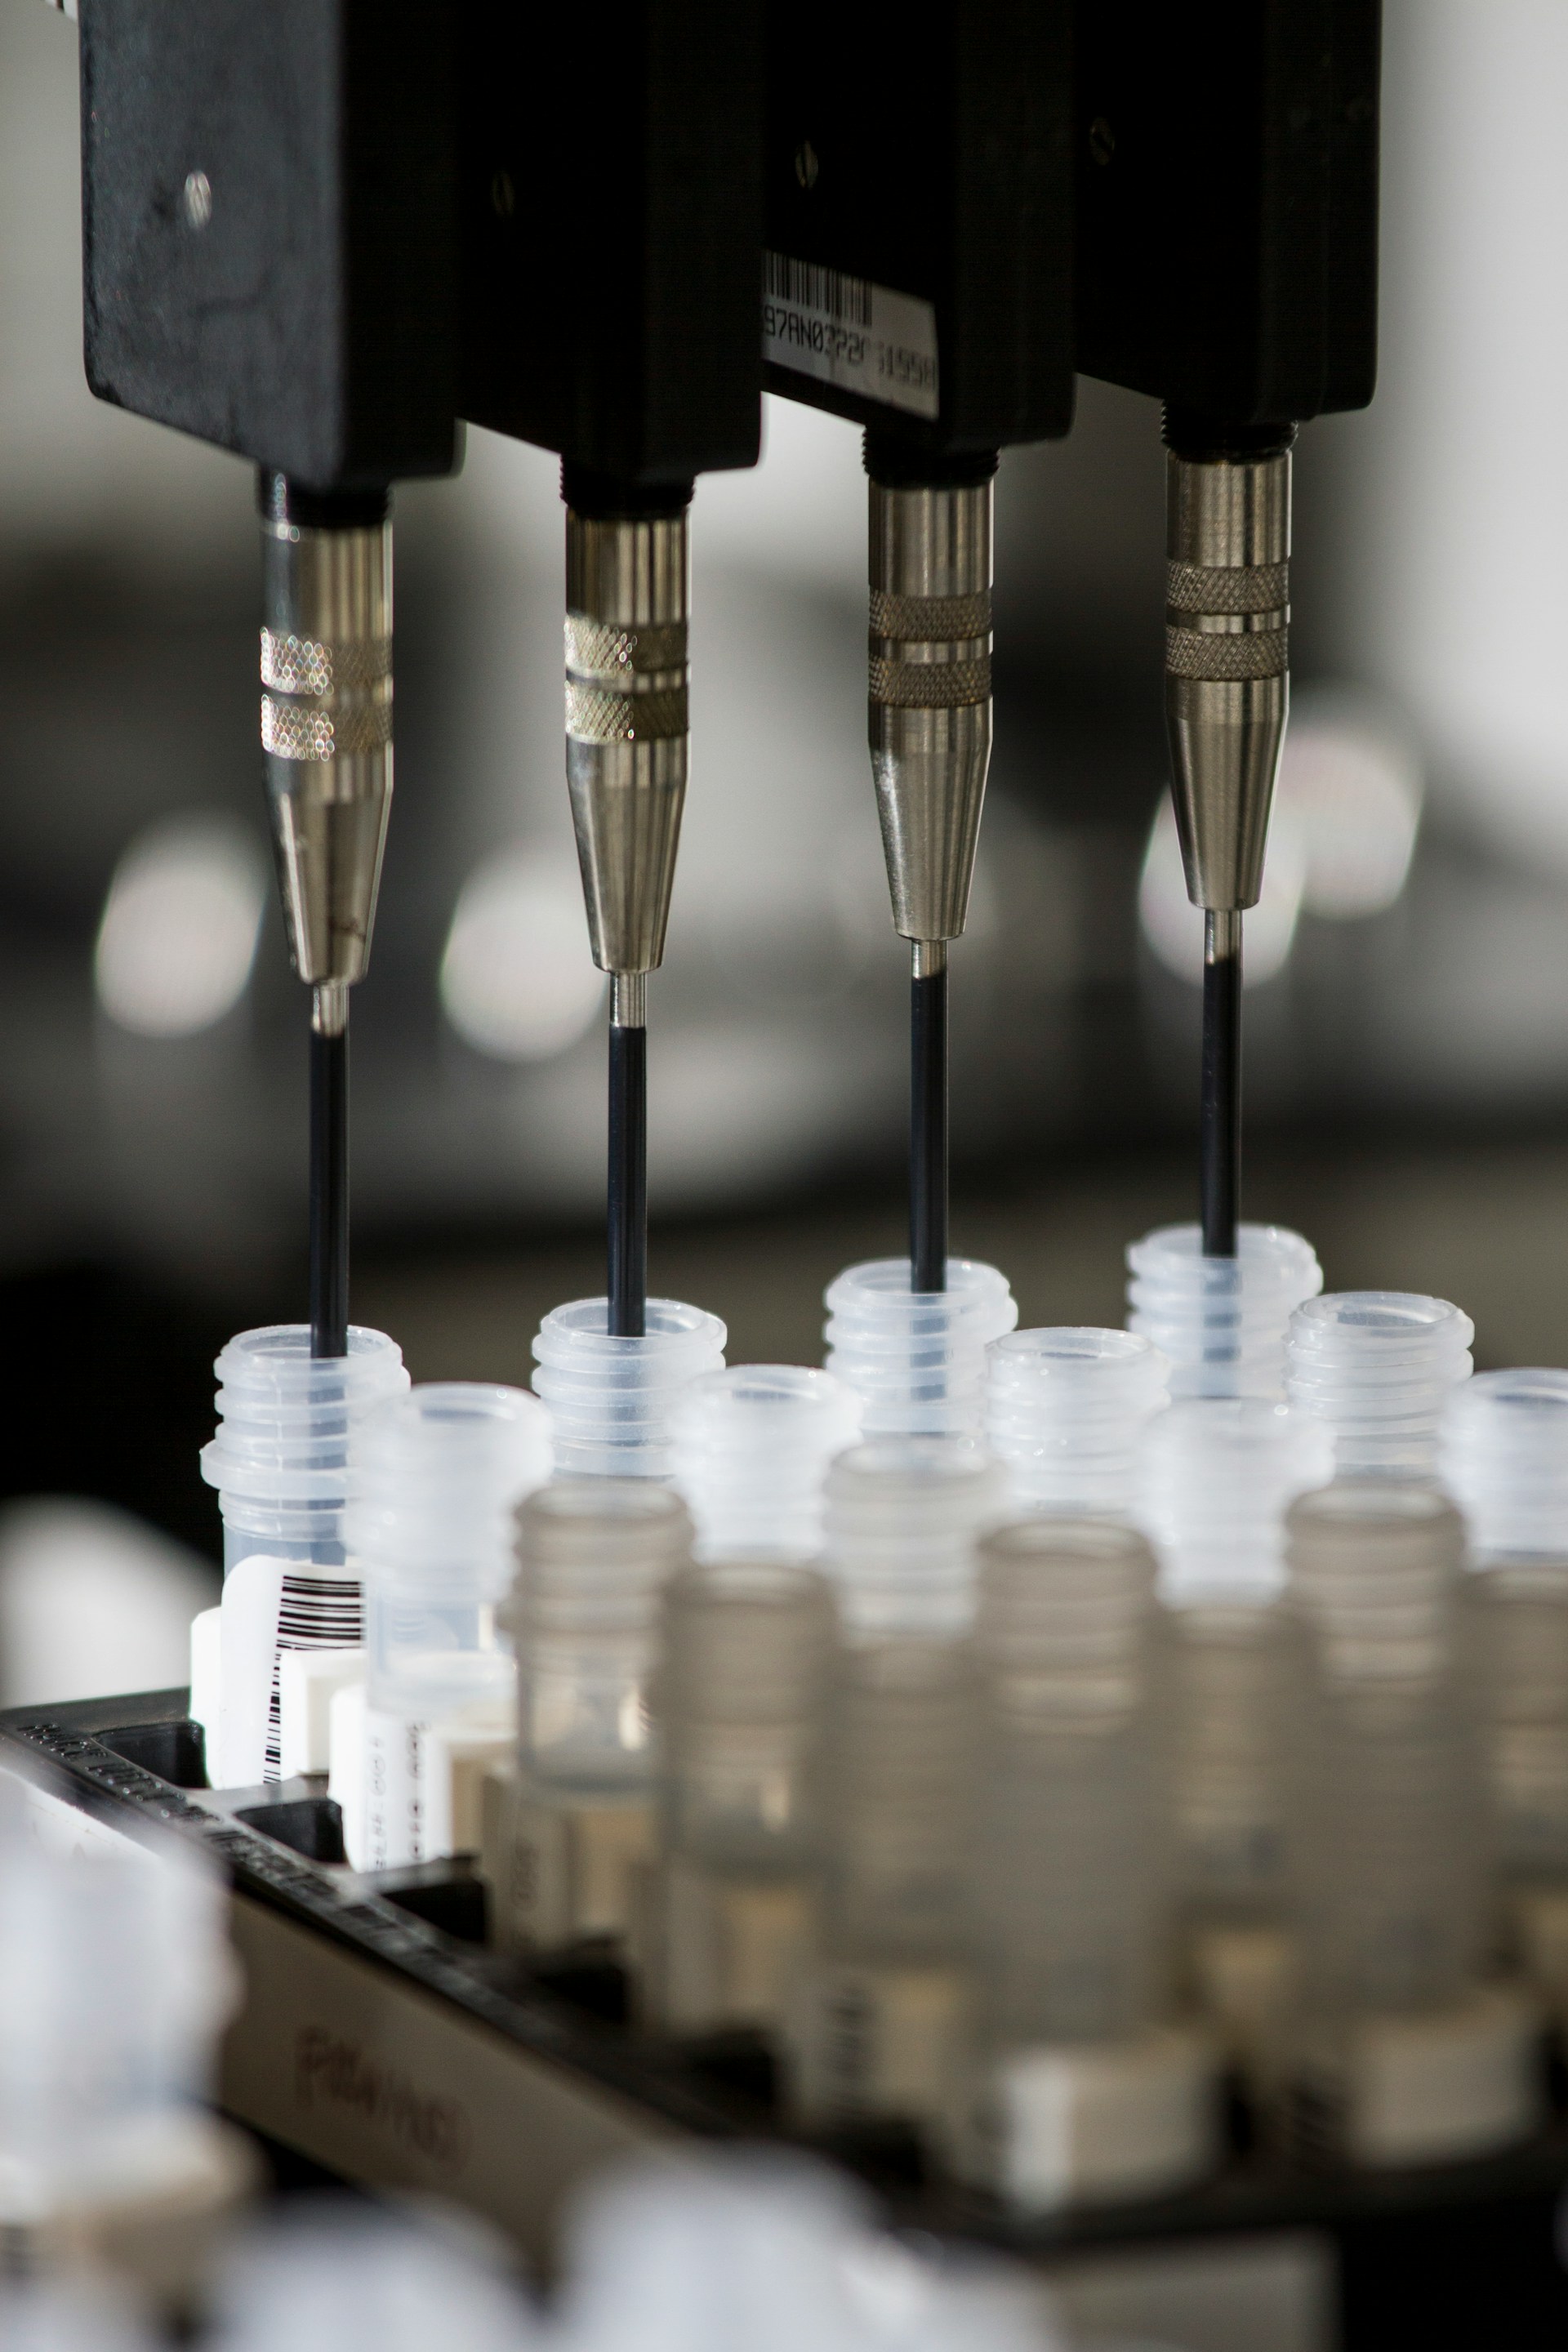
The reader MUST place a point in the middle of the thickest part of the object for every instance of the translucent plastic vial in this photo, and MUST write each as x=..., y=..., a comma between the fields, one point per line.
x=1065, y=1410
x=593, y=1556
x=567, y=1833
x=1091, y=2092
x=917, y=1358
x=279, y=1462
x=1220, y=1321
x=612, y=1400
x=746, y=1658
x=1069, y=1878
x=1404, y=2055
x=903, y=1517
x=1504, y=1458
x=751, y=1450
x=438, y=1475
x=747, y=1652
x=115, y=1981
x=1216, y=1477
x=1377, y=1368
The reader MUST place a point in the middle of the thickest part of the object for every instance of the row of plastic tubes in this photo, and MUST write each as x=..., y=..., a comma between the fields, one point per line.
x=1017, y=1726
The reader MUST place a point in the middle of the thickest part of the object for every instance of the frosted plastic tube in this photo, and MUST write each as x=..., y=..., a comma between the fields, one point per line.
x=1391, y=1852
x=747, y=1651
x=1220, y=1321
x=1069, y=1882
x=437, y=1475
x=1065, y=1410
x=279, y=1462
x=593, y=1556
x=1378, y=1368
x=902, y=1520
x=1214, y=1477
x=752, y=1451
x=902, y=1769
x=917, y=1358
x=611, y=1400
x=115, y=1980
x=1504, y=1457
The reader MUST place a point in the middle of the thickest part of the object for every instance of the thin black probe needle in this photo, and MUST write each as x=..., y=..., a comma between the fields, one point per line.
x=927, y=1120
x=330, y=1181
x=628, y=1157
x=1220, y=1114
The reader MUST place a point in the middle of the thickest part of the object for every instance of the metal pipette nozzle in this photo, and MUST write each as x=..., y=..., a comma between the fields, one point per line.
x=1227, y=539
x=627, y=604
x=326, y=728
x=930, y=729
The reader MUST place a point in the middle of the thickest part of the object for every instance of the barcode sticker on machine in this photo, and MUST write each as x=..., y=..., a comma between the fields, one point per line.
x=847, y=332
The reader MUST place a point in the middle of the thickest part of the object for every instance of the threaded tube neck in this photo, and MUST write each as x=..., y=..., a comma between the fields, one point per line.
x=903, y=1518
x=1065, y=1409
x=1215, y=1475
x=1377, y=1369
x=612, y=1399
x=1220, y=1320
x=917, y=1358
x=751, y=1450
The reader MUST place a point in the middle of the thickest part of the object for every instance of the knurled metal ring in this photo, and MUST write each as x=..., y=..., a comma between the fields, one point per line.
x=601, y=649
x=1227, y=660
x=930, y=620
x=293, y=665
x=597, y=716
x=303, y=730
x=1240, y=588
x=930, y=685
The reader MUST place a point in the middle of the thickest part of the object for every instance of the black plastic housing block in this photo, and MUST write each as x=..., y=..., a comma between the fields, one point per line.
x=611, y=227
x=1226, y=161
x=925, y=155
x=269, y=228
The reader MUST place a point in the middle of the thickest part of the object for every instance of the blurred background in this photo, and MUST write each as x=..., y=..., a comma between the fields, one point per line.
x=1408, y=971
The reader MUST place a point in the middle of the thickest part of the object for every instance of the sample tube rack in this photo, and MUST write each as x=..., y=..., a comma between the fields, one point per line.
x=381, y=2039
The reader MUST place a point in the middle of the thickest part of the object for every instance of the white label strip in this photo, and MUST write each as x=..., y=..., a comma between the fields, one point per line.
x=847, y=332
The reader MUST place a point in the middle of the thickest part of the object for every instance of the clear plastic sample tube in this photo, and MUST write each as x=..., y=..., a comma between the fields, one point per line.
x=903, y=1518
x=1392, y=1856
x=1220, y=1321
x=747, y=1652
x=747, y=1655
x=1216, y=1476
x=1377, y=1368
x=1504, y=1458
x=901, y=1760
x=751, y=1450
x=917, y=1358
x=437, y=1475
x=612, y=1400
x=593, y=1556
x=1070, y=1880
x=1065, y=1410
x=279, y=1461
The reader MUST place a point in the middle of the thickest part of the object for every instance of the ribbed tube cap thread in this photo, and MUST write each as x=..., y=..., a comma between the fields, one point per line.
x=1221, y=1321
x=902, y=1518
x=1377, y=1368
x=1504, y=1457
x=751, y=1450
x=917, y=1358
x=1065, y=1410
x=612, y=1400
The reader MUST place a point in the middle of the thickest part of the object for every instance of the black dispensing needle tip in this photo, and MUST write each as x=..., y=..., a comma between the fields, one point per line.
x=928, y=1124
x=628, y=1180
x=329, y=1192
x=1220, y=1116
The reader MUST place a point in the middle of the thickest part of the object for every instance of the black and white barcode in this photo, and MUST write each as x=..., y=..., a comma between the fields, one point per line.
x=316, y=1613
x=814, y=288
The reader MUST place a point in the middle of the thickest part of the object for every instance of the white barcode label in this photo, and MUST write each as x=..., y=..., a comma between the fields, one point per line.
x=316, y=1610
x=845, y=331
